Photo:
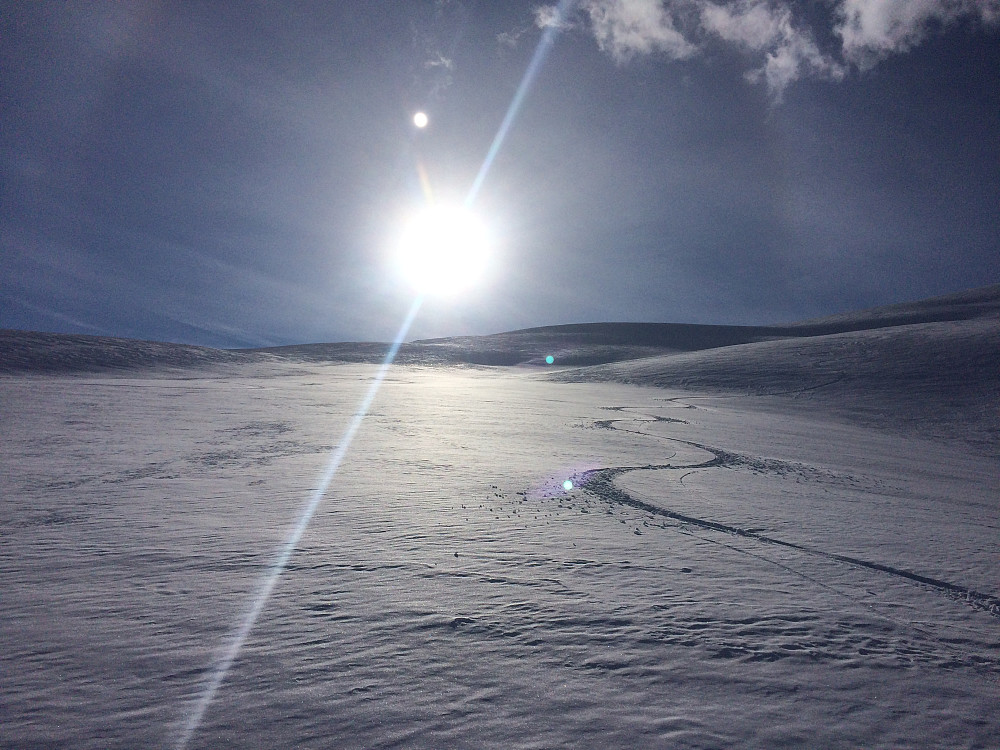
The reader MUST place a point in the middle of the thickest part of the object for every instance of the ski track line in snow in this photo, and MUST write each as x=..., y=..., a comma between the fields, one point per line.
x=601, y=482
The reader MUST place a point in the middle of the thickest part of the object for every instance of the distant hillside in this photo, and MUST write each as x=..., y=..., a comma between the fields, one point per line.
x=32, y=351
x=574, y=345
x=932, y=346
x=932, y=368
x=590, y=343
x=983, y=302
x=601, y=343
x=924, y=359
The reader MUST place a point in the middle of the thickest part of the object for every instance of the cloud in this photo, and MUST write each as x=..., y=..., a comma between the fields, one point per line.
x=868, y=31
x=439, y=61
x=624, y=28
x=510, y=38
x=754, y=24
x=436, y=34
x=549, y=17
x=761, y=26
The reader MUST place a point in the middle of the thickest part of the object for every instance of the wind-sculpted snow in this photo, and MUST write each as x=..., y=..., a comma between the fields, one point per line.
x=727, y=572
x=933, y=379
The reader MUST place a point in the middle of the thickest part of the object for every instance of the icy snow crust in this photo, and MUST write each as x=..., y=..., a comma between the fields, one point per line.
x=733, y=567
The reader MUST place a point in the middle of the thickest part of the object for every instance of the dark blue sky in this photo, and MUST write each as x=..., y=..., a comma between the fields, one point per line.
x=230, y=173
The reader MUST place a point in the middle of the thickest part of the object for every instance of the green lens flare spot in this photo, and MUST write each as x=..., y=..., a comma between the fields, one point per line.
x=550, y=359
x=567, y=485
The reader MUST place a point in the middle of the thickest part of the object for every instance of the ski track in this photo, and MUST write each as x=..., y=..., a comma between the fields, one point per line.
x=601, y=483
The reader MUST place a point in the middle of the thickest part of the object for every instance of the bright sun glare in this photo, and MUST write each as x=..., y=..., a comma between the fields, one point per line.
x=443, y=250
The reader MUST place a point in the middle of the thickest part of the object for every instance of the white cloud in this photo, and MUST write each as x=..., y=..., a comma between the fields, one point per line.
x=795, y=57
x=549, y=16
x=510, y=38
x=439, y=61
x=759, y=25
x=678, y=28
x=754, y=24
x=869, y=30
x=624, y=28
x=872, y=29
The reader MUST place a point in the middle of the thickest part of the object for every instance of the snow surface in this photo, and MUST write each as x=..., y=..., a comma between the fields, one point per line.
x=740, y=563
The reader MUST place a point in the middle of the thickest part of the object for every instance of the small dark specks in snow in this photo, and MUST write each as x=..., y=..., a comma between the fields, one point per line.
x=685, y=570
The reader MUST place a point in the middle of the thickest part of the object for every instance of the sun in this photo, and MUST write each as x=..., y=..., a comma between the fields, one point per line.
x=443, y=250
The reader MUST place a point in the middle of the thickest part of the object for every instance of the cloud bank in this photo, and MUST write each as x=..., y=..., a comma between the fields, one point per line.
x=775, y=32
x=873, y=29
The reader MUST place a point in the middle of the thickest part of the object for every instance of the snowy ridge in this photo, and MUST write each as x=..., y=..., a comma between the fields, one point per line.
x=33, y=351
x=938, y=377
x=581, y=344
x=983, y=302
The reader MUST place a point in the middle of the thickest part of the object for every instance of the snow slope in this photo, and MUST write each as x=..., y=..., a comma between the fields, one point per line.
x=939, y=378
x=729, y=569
x=983, y=302
x=36, y=352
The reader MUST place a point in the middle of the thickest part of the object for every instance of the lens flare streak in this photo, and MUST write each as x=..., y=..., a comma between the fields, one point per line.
x=541, y=52
x=230, y=651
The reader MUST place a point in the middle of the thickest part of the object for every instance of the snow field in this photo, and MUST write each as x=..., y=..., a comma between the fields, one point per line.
x=449, y=592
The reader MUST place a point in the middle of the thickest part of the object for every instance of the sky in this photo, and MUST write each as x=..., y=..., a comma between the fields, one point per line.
x=236, y=174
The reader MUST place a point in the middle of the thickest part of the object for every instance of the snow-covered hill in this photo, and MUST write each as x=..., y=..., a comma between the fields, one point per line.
x=33, y=351
x=933, y=367
x=570, y=345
